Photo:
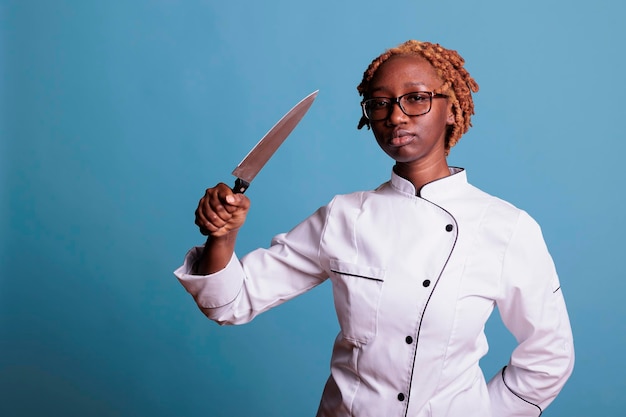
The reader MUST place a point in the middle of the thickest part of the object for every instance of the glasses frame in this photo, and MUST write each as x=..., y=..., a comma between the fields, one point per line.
x=397, y=100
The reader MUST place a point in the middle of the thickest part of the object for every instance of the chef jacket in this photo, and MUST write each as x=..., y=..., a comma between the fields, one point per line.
x=414, y=279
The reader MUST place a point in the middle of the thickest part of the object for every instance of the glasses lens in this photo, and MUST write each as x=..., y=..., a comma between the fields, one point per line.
x=412, y=104
x=377, y=108
x=415, y=104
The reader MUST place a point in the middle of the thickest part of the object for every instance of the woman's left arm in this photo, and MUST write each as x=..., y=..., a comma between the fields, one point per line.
x=532, y=307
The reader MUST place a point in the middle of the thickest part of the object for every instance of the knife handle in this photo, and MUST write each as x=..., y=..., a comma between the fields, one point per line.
x=240, y=186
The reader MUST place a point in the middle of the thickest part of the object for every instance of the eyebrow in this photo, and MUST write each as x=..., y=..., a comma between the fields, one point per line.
x=409, y=84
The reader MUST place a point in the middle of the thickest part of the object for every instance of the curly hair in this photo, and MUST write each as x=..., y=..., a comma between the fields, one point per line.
x=458, y=84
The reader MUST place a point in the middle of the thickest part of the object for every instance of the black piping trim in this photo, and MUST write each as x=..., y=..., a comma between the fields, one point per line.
x=419, y=327
x=418, y=193
x=554, y=292
x=354, y=275
x=517, y=395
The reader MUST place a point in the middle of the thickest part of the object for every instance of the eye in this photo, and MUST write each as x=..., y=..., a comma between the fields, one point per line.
x=378, y=103
x=416, y=98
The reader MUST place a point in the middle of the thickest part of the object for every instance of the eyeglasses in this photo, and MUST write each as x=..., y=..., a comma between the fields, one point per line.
x=411, y=104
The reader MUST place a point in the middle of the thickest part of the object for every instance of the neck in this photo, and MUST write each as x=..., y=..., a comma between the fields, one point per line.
x=420, y=175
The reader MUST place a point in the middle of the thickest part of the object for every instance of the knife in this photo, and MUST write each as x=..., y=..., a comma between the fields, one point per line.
x=265, y=148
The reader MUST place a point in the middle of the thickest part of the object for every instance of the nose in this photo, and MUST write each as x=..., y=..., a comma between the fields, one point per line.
x=396, y=115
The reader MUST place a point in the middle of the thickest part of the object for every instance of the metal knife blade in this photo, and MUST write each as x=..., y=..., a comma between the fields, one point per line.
x=250, y=166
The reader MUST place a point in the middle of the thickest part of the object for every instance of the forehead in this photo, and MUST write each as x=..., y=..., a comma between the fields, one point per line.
x=404, y=71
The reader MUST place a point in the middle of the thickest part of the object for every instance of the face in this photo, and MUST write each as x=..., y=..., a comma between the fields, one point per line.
x=411, y=139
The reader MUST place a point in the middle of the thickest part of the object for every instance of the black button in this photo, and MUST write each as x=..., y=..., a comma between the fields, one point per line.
x=449, y=228
x=401, y=397
x=426, y=283
x=408, y=340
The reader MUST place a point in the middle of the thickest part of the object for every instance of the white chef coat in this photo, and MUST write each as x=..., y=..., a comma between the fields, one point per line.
x=414, y=280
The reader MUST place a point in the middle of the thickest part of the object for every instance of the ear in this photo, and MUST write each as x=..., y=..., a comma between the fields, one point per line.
x=450, y=119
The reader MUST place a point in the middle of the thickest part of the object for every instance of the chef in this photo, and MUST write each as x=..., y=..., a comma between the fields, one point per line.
x=417, y=265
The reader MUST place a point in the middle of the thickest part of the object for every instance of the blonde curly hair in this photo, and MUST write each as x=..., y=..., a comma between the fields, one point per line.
x=458, y=84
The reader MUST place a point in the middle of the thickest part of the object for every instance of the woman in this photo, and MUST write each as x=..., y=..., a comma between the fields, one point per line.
x=416, y=265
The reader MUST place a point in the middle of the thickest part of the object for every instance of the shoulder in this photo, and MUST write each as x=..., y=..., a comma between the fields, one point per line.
x=357, y=198
x=473, y=198
x=495, y=214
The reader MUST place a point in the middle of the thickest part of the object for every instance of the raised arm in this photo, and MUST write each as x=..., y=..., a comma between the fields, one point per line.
x=220, y=215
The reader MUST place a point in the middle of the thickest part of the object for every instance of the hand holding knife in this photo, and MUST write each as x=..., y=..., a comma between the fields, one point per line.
x=222, y=210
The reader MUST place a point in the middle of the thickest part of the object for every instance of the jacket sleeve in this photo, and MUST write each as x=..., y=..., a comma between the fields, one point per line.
x=262, y=279
x=532, y=307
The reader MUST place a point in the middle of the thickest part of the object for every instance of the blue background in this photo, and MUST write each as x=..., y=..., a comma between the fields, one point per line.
x=116, y=115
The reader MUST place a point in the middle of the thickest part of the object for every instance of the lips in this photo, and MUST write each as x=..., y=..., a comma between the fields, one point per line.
x=401, y=137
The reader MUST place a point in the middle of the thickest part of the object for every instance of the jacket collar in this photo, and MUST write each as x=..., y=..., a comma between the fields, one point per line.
x=435, y=189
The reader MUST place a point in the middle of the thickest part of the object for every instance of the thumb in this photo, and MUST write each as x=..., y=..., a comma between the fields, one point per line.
x=231, y=199
x=237, y=200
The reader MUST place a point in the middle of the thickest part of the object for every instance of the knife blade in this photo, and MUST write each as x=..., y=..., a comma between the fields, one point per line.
x=254, y=161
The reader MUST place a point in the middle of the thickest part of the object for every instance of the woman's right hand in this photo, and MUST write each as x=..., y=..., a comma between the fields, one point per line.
x=221, y=211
